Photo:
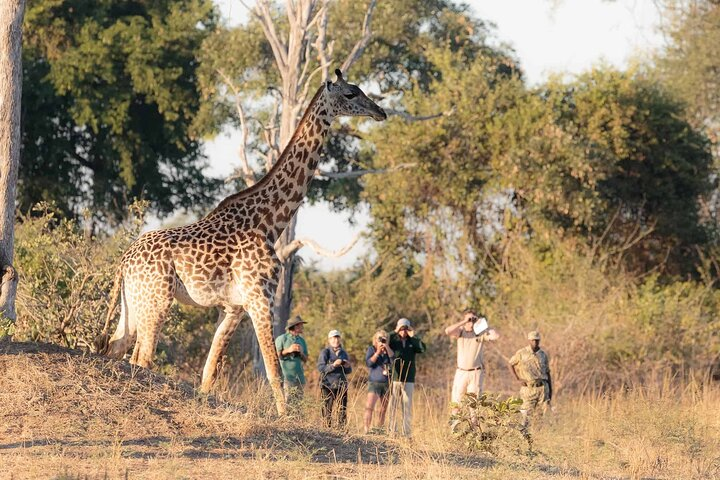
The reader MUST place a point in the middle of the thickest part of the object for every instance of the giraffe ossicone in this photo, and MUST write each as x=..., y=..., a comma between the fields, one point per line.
x=227, y=259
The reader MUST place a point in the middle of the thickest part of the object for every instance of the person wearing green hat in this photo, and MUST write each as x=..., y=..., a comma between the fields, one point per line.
x=531, y=367
x=293, y=352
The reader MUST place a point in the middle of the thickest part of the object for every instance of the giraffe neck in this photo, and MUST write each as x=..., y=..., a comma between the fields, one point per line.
x=283, y=189
x=290, y=177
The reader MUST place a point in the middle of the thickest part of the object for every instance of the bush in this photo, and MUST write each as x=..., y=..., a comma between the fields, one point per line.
x=65, y=276
x=486, y=423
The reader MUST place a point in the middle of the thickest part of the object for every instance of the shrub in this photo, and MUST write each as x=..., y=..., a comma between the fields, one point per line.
x=487, y=423
x=65, y=276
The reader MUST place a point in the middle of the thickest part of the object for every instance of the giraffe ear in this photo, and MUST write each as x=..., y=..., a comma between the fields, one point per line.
x=339, y=75
x=328, y=85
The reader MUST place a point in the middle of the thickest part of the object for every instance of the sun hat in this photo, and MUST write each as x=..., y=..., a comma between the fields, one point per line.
x=295, y=321
x=334, y=333
x=534, y=335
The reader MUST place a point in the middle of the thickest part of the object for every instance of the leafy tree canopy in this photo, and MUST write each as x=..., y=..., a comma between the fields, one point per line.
x=690, y=65
x=607, y=158
x=110, y=94
x=619, y=164
x=394, y=60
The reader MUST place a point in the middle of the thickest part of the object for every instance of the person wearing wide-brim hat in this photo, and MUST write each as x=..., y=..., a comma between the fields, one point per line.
x=293, y=352
x=531, y=367
x=334, y=367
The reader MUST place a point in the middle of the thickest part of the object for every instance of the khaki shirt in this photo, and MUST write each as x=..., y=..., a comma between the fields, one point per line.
x=531, y=366
x=470, y=350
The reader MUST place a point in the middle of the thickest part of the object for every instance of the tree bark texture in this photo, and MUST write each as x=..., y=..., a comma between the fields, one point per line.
x=11, y=19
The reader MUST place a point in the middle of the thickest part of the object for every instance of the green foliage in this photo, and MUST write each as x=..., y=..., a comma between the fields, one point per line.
x=606, y=158
x=633, y=167
x=435, y=210
x=110, y=95
x=486, y=423
x=357, y=303
x=690, y=65
x=65, y=276
x=602, y=326
x=395, y=58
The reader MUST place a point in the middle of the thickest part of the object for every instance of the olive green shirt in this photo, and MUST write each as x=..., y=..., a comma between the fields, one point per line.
x=531, y=366
x=291, y=365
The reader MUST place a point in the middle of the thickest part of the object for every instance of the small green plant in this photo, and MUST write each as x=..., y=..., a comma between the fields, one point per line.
x=487, y=423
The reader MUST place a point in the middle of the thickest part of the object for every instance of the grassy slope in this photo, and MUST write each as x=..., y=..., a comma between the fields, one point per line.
x=66, y=415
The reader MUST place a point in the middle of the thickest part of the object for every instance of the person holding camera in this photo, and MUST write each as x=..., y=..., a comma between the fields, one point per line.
x=293, y=352
x=378, y=358
x=406, y=346
x=334, y=366
x=471, y=334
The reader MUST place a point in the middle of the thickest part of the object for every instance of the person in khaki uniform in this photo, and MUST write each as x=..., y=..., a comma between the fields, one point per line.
x=531, y=368
x=470, y=371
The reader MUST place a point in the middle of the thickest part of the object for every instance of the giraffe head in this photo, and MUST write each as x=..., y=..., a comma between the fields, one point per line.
x=348, y=100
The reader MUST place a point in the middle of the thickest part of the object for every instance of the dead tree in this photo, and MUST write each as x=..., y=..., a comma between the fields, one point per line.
x=11, y=19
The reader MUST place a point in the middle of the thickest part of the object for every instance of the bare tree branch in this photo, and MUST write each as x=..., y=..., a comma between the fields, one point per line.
x=360, y=46
x=321, y=45
x=263, y=13
x=291, y=248
x=412, y=118
x=245, y=172
x=360, y=173
x=271, y=134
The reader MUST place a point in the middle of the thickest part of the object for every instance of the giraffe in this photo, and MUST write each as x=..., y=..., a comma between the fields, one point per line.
x=227, y=259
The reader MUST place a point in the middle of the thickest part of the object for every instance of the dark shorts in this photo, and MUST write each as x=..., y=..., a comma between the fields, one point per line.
x=378, y=388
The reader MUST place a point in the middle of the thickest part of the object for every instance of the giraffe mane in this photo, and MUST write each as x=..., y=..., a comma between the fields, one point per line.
x=276, y=166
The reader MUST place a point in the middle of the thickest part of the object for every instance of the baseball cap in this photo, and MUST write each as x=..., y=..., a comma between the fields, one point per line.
x=334, y=333
x=403, y=322
x=534, y=335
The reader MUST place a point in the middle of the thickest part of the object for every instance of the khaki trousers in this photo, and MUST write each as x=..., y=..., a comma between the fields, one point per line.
x=466, y=382
x=401, y=400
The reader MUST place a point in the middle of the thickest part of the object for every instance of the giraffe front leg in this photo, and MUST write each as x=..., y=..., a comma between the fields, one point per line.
x=260, y=307
x=229, y=320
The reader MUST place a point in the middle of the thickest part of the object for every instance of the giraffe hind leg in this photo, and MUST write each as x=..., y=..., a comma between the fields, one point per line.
x=230, y=318
x=125, y=332
x=152, y=316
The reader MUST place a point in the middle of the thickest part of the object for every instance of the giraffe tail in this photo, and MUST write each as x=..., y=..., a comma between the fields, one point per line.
x=102, y=341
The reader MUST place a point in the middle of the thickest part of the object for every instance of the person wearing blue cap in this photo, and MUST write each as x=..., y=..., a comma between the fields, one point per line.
x=334, y=366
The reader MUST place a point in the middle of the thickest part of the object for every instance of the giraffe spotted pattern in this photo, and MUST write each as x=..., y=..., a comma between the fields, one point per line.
x=227, y=259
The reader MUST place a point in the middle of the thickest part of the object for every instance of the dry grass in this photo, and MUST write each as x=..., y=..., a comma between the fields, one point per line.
x=70, y=416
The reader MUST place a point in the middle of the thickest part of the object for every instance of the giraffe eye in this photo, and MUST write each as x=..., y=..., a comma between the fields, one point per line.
x=350, y=95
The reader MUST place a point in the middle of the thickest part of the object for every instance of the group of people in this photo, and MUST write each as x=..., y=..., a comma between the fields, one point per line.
x=392, y=365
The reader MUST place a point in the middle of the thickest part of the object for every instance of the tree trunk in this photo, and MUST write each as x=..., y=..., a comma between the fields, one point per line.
x=11, y=19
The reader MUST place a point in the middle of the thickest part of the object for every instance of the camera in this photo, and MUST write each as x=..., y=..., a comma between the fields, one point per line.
x=382, y=340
